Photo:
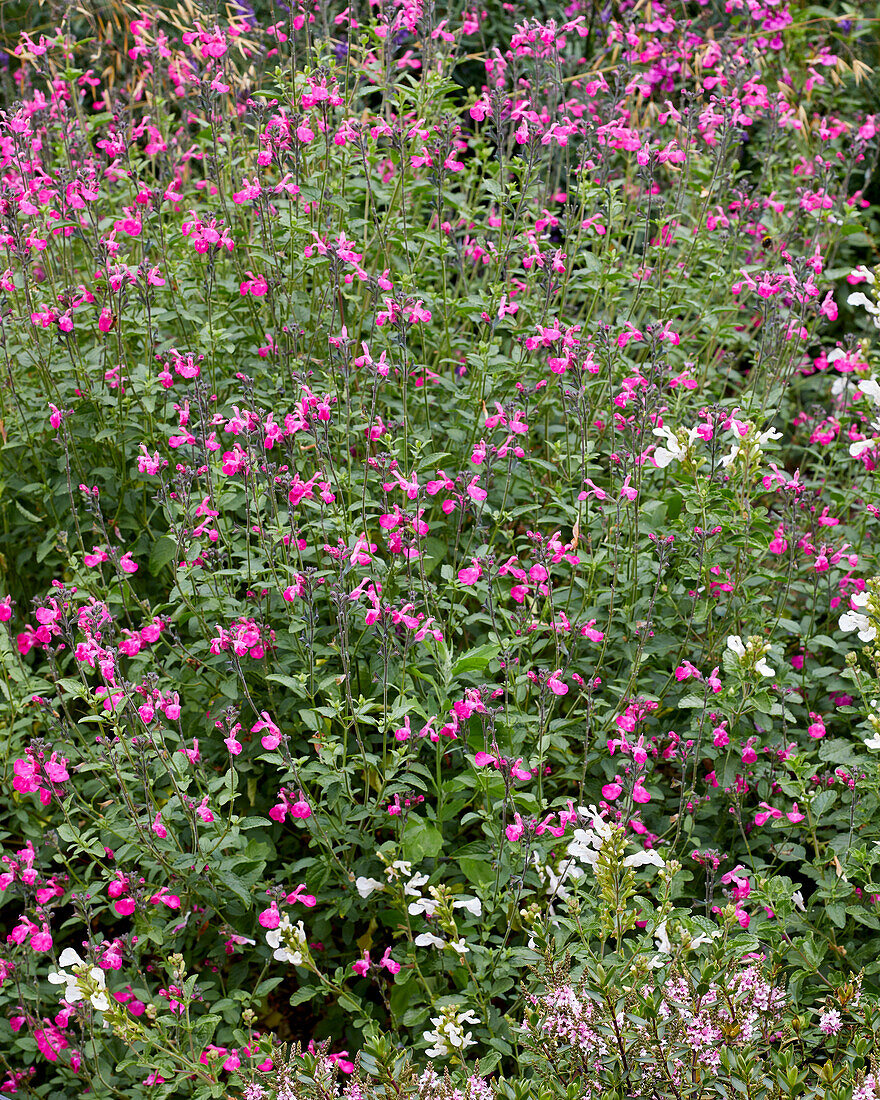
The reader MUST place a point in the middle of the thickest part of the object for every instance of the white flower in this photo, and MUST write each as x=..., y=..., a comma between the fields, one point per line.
x=424, y=905
x=855, y=620
x=473, y=905
x=860, y=446
x=449, y=1034
x=859, y=299
x=584, y=846
x=365, y=886
x=865, y=272
x=288, y=943
x=753, y=652
x=415, y=884
x=459, y=945
x=597, y=821
x=664, y=945
x=704, y=937
x=644, y=857
x=735, y=643
x=675, y=449
x=586, y=843
x=85, y=981
x=428, y=939
x=871, y=387
x=730, y=457
x=798, y=898
x=397, y=868
x=873, y=742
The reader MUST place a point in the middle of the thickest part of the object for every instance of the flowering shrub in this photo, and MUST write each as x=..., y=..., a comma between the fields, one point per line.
x=425, y=435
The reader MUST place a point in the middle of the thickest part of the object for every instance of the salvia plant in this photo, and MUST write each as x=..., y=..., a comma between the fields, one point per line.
x=440, y=604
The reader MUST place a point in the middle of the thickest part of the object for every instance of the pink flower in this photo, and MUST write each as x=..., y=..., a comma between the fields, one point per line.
x=471, y=573
x=158, y=828
x=127, y=564
x=588, y=631
x=830, y=1022
x=271, y=917
x=390, y=965
x=301, y=808
x=297, y=895
x=270, y=740
x=42, y=940
x=515, y=831
x=231, y=744
x=556, y=684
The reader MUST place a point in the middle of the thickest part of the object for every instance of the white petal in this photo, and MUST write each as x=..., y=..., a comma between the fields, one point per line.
x=735, y=643
x=644, y=857
x=427, y=939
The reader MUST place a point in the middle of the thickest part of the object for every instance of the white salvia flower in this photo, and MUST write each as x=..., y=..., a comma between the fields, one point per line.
x=704, y=937
x=459, y=945
x=762, y=667
x=871, y=387
x=860, y=446
x=75, y=982
x=664, y=455
x=365, y=886
x=865, y=272
x=757, y=442
x=428, y=939
x=855, y=620
x=415, y=884
x=735, y=643
x=644, y=857
x=399, y=868
x=551, y=879
x=677, y=448
x=473, y=905
x=859, y=299
x=873, y=742
x=584, y=846
x=599, y=824
x=798, y=898
x=288, y=943
x=751, y=654
x=424, y=905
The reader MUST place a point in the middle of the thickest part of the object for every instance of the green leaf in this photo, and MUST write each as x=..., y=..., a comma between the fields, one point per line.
x=421, y=839
x=477, y=871
x=476, y=659
x=234, y=884
x=822, y=802
x=164, y=550
x=303, y=994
